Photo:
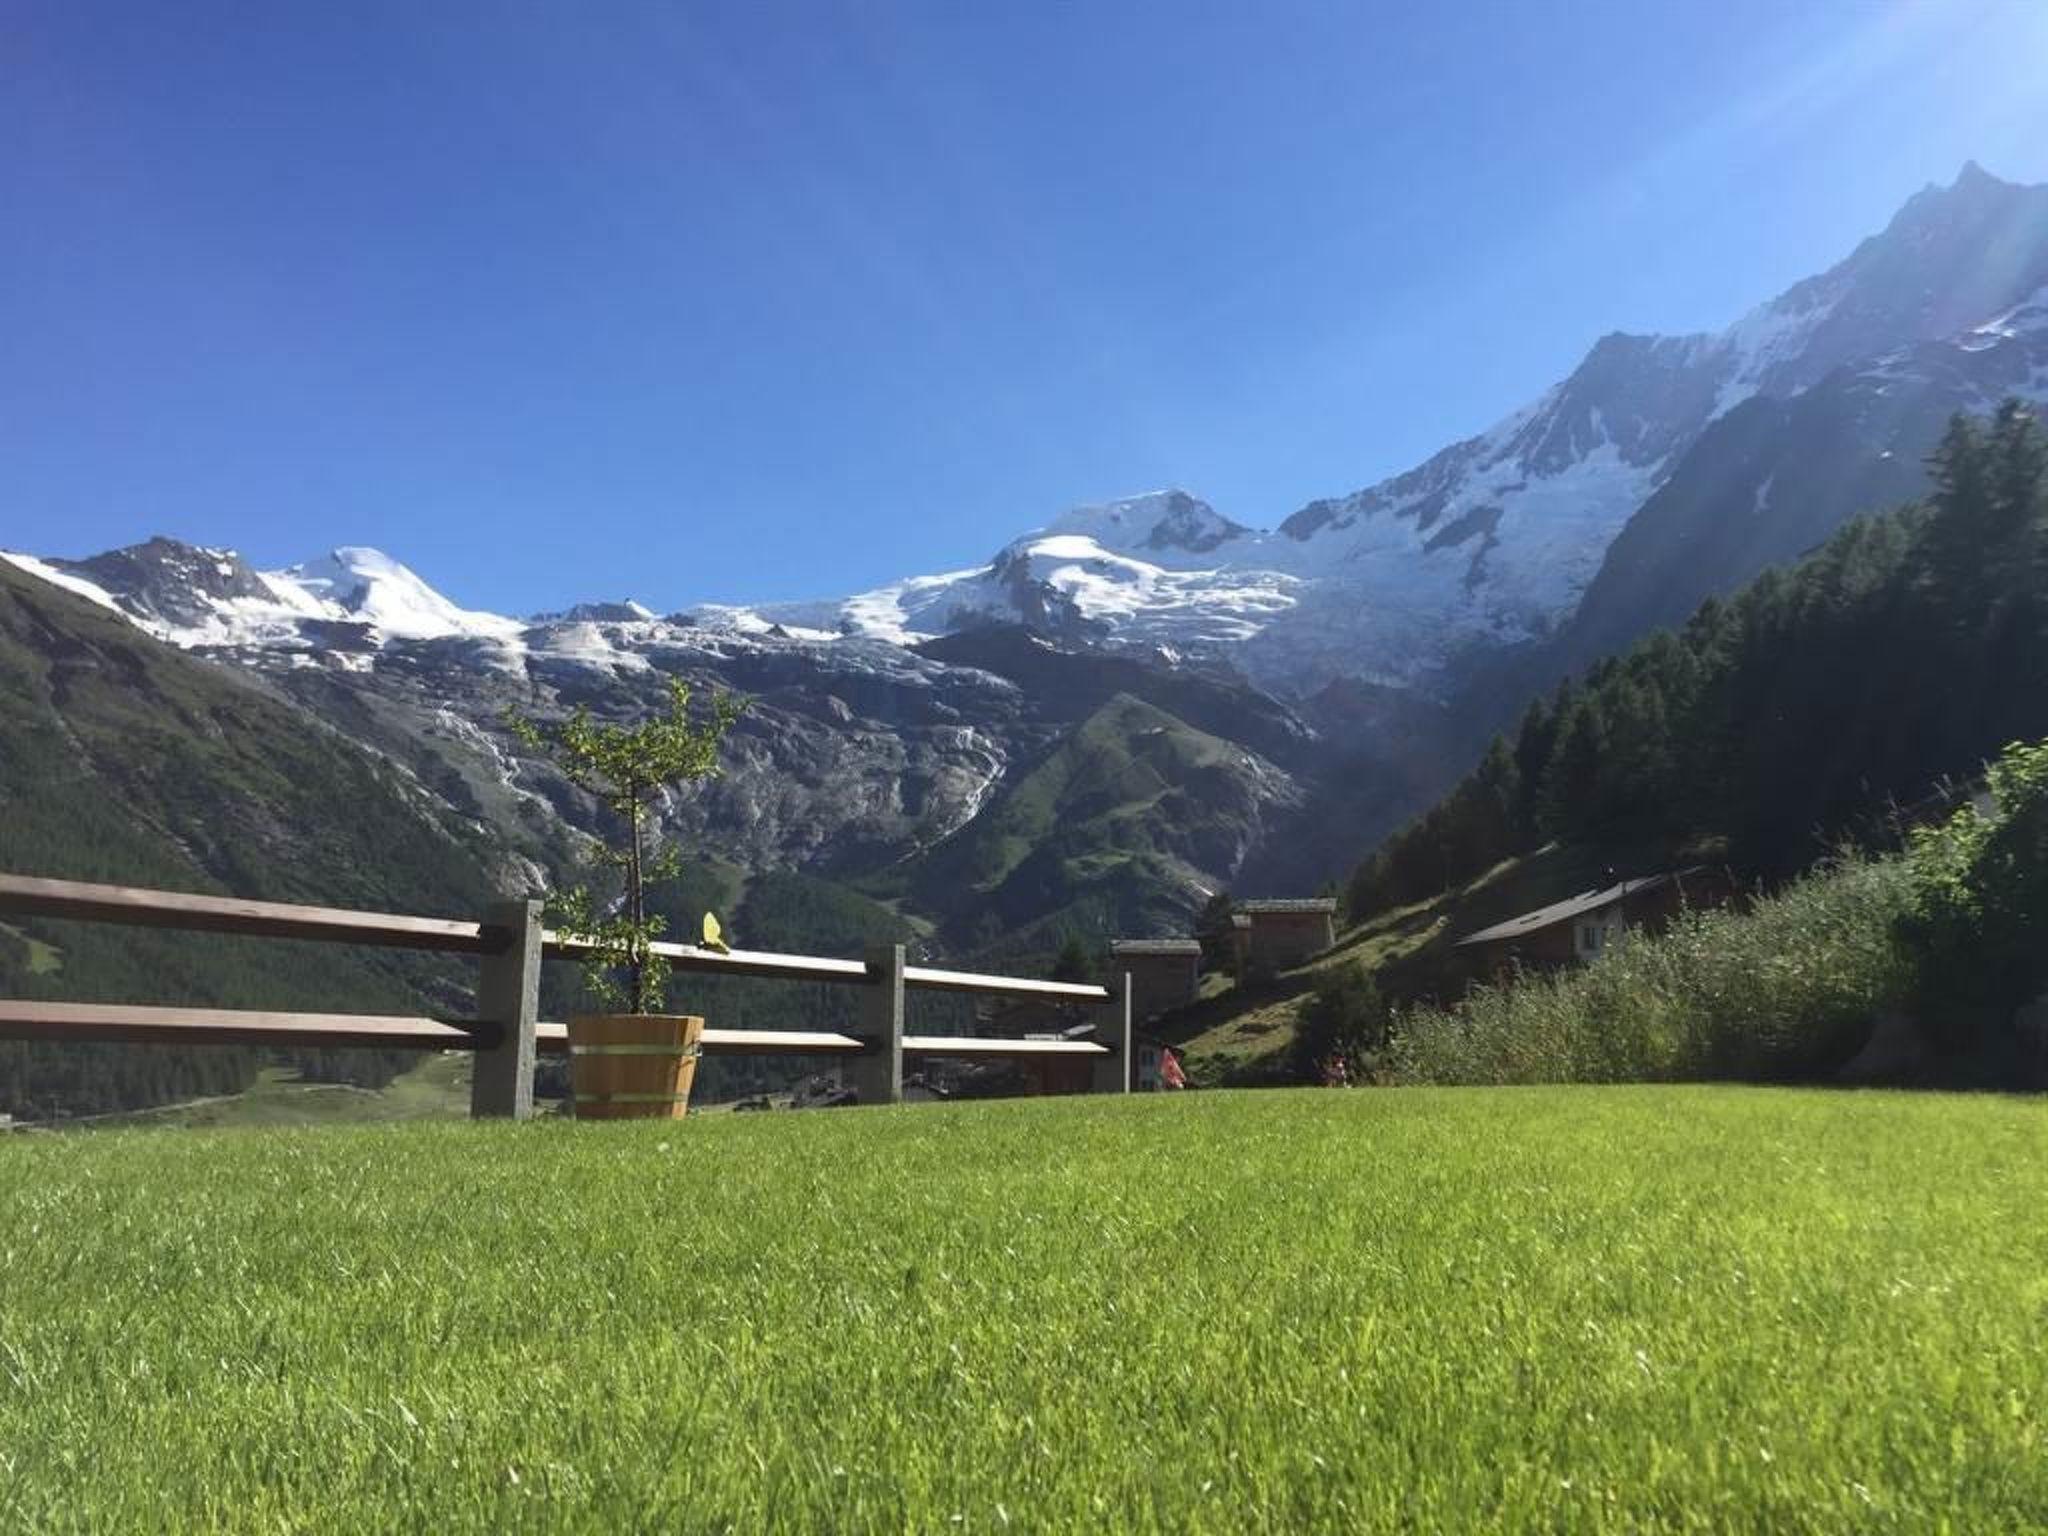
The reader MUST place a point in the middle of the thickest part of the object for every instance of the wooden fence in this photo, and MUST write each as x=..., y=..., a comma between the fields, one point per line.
x=507, y=1033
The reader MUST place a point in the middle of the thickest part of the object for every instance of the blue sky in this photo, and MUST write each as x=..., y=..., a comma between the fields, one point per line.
x=739, y=302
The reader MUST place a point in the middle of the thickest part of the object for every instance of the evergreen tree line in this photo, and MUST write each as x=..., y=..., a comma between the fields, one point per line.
x=1910, y=647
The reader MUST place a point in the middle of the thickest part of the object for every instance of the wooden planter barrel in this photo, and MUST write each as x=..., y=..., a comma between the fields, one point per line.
x=633, y=1066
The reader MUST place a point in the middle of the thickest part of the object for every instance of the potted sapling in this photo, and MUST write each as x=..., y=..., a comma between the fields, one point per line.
x=632, y=1061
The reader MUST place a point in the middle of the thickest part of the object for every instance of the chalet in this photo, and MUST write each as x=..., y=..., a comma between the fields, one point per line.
x=1576, y=930
x=1165, y=973
x=1284, y=932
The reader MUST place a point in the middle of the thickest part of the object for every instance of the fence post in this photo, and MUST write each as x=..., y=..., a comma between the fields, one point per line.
x=877, y=1073
x=1113, y=1029
x=508, y=995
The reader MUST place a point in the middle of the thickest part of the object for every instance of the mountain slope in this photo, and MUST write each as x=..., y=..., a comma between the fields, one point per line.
x=1775, y=476
x=203, y=773
x=1910, y=646
x=1945, y=312
x=123, y=759
x=1120, y=829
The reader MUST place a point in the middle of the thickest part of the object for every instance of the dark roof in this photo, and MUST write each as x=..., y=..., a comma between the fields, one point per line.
x=1575, y=906
x=1289, y=904
x=1156, y=947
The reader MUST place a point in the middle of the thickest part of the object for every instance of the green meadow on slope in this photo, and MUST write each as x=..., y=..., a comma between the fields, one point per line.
x=1533, y=1309
x=1106, y=835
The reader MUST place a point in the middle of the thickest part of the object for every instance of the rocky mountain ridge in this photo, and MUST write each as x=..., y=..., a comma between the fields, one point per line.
x=1497, y=543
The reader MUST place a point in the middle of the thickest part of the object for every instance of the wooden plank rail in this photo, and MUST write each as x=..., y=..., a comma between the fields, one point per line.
x=138, y=1024
x=80, y=901
x=978, y=1045
x=761, y=962
x=131, y=1024
x=1004, y=986
x=136, y=907
x=741, y=962
x=510, y=944
x=553, y=1040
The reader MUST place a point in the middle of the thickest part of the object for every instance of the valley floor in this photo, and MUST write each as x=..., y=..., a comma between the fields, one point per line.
x=1533, y=1309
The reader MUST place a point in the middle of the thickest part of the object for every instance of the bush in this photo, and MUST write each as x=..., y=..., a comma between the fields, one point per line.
x=1977, y=930
x=1346, y=1016
x=1787, y=989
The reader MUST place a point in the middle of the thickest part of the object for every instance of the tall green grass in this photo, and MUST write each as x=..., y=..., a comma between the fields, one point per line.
x=1786, y=988
x=1631, y=1309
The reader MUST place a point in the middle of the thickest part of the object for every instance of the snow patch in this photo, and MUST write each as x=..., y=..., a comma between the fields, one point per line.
x=2031, y=314
x=588, y=645
x=92, y=592
x=363, y=585
x=1763, y=340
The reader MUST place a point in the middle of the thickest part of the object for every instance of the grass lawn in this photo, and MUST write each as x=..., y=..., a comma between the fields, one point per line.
x=1532, y=1309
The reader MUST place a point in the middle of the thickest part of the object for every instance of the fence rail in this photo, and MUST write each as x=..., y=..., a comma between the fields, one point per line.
x=508, y=1034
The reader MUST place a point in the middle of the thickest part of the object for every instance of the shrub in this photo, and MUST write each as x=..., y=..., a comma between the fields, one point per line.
x=1784, y=990
x=1344, y=1015
x=1977, y=929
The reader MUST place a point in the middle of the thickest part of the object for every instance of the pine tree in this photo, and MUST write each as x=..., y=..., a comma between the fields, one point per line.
x=1960, y=524
x=1571, y=784
x=1073, y=963
x=2018, y=459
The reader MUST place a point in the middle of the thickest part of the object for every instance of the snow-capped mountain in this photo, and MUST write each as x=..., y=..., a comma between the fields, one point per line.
x=1159, y=569
x=1489, y=547
x=366, y=586
x=1398, y=621
x=1493, y=542
x=351, y=599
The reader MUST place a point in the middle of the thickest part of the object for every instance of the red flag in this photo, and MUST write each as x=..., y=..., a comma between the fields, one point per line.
x=1170, y=1072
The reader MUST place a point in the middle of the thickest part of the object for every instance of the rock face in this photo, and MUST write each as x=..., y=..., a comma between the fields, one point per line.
x=857, y=758
x=1145, y=665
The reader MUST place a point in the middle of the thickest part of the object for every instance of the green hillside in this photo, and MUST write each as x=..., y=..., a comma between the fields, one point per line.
x=1108, y=833
x=1526, y=1310
x=124, y=760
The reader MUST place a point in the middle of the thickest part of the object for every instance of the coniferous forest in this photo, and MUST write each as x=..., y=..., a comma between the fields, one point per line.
x=1903, y=652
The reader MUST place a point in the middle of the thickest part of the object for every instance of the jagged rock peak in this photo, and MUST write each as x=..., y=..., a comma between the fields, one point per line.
x=627, y=612
x=1156, y=521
